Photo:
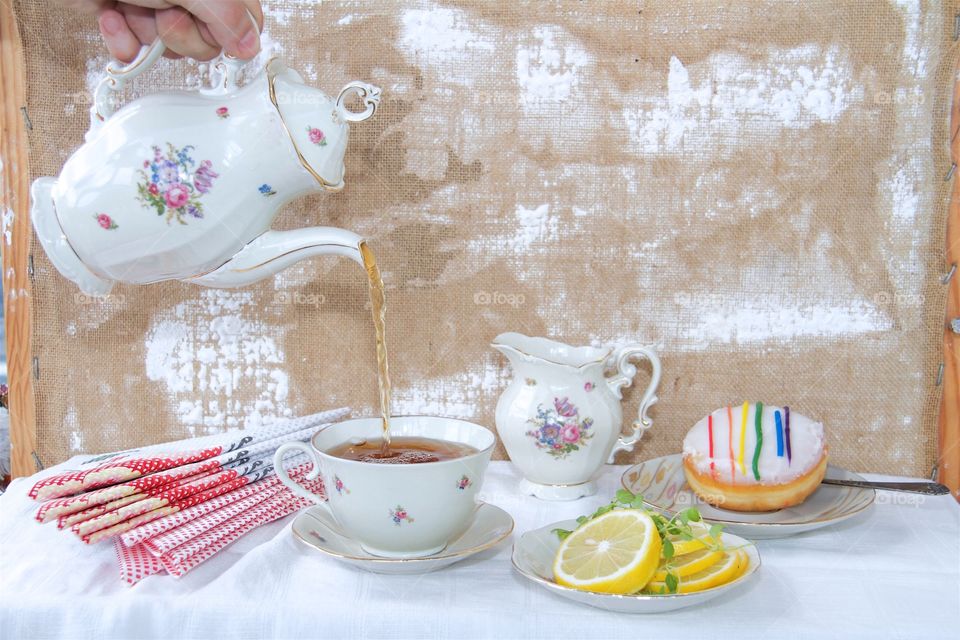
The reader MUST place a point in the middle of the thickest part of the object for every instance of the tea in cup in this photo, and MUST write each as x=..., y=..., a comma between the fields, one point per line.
x=409, y=502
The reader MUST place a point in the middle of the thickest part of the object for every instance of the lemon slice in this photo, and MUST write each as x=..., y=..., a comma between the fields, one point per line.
x=688, y=563
x=683, y=547
x=722, y=572
x=615, y=553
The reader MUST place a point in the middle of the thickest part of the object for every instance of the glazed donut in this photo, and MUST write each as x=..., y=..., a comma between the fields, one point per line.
x=754, y=457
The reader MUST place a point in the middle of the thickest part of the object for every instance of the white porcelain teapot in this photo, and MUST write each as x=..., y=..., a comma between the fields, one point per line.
x=185, y=184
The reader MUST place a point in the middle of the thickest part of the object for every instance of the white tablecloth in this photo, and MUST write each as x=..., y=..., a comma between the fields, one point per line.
x=891, y=572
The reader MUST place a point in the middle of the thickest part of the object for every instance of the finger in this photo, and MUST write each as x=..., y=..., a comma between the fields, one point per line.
x=206, y=35
x=119, y=38
x=87, y=6
x=181, y=35
x=256, y=10
x=143, y=22
x=230, y=24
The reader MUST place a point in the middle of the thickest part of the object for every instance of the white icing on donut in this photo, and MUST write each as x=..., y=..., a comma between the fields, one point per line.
x=806, y=446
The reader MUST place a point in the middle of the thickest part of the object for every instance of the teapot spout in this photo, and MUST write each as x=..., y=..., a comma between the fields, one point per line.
x=274, y=251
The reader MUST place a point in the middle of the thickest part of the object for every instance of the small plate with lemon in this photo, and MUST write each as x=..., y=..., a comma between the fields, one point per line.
x=628, y=558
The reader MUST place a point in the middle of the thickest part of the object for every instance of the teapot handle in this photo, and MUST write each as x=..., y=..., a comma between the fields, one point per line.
x=366, y=92
x=116, y=79
x=626, y=370
x=117, y=76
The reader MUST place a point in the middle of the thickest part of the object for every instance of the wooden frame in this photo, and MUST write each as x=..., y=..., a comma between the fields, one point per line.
x=17, y=235
x=948, y=459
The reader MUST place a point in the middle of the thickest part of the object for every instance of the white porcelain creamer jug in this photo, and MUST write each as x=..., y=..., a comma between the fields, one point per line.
x=185, y=184
x=560, y=418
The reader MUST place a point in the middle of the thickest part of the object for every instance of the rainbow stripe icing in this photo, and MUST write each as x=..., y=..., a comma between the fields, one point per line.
x=776, y=415
x=758, y=427
x=786, y=411
x=710, y=428
x=743, y=435
x=733, y=464
x=782, y=445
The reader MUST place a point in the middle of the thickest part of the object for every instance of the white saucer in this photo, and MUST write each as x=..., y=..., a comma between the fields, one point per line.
x=314, y=528
x=662, y=484
x=533, y=556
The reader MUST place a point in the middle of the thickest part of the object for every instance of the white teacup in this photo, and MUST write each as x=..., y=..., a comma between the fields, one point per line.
x=397, y=510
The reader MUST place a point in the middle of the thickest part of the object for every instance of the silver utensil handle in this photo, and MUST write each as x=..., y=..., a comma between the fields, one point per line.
x=926, y=488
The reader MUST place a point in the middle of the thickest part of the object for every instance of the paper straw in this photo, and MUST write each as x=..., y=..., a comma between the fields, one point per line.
x=273, y=509
x=136, y=563
x=146, y=485
x=164, y=542
x=127, y=465
x=154, y=508
x=173, y=493
x=166, y=523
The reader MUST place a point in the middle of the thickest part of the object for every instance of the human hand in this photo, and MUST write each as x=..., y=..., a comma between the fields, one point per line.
x=198, y=29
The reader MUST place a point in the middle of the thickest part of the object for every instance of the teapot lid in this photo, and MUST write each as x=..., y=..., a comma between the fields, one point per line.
x=316, y=124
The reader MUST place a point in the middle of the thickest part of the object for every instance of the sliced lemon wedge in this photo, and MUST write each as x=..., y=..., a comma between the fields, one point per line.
x=616, y=553
x=682, y=547
x=688, y=563
x=726, y=569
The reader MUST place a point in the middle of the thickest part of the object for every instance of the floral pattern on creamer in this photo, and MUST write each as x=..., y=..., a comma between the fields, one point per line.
x=464, y=482
x=223, y=113
x=399, y=515
x=559, y=429
x=266, y=190
x=338, y=485
x=173, y=184
x=105, y=221
x=317, y=136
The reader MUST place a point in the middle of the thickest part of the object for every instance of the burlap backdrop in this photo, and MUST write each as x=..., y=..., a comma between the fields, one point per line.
x=756, y=187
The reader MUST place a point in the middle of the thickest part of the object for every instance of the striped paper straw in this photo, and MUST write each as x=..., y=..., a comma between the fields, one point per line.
x=127, y=465
x=147, y=485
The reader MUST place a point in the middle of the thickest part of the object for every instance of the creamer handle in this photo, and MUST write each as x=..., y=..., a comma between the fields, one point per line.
x=626, y=370
x=116, y=79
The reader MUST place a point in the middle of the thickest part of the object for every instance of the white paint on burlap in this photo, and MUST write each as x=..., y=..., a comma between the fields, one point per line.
x=456, y=396
x=446, y=43
x=534, y=224
x=756, y=322
x=206, y=352
x=735, y=95
x=549, y=70
x=6, y=223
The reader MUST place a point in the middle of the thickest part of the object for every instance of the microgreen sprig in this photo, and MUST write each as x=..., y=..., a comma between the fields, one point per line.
x=677, y=526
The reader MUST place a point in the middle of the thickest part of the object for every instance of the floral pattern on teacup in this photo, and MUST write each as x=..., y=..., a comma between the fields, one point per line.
x=223, y=113
x=464, y=482
x=338, y=485
x=317, y=136
x=266, y=190
x=105, y=221
x=559, y=429
x=588, y=386
x=173, y=184
x=400, y=515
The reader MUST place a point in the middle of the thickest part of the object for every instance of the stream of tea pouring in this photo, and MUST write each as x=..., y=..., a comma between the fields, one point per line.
x=378, y=308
